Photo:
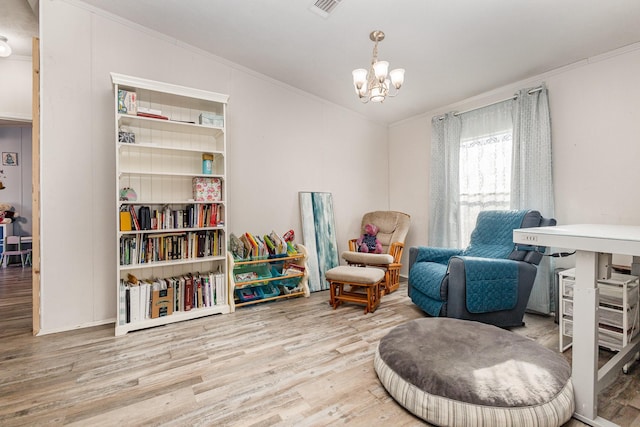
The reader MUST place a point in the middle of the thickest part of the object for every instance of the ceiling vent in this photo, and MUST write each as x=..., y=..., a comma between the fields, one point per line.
x=324, y=7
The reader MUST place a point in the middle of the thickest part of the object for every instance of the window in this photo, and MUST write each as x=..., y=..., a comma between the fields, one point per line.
x=485, y=178
x=485, y=165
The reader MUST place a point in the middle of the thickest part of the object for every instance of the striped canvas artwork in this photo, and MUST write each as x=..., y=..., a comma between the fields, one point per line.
x=318, y=232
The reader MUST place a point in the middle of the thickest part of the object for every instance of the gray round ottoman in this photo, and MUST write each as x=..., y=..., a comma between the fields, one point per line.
x=453, y=372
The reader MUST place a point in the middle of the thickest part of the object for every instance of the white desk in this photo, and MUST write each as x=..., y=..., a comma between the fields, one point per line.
x=593, y=243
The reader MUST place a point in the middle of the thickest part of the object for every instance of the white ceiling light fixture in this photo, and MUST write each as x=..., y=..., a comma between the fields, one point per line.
x=375, y=85
x=5, y=49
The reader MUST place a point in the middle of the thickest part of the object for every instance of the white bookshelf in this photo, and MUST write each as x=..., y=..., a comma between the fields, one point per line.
x=160, y=165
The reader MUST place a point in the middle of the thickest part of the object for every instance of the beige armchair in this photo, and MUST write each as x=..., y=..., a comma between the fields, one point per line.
x=393, y=228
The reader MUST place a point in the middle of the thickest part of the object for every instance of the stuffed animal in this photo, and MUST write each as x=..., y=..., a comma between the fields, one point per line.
x=7, y=216
x=368, y=241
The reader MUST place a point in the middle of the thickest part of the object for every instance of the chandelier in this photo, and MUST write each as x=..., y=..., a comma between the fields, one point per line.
x=375, y=84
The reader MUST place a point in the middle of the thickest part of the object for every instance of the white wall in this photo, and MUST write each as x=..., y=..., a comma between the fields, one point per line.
x=595, y=125
x=15, y=87
x=280, y=141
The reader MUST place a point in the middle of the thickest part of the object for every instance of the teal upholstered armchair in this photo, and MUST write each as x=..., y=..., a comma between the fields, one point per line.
x=490, y=281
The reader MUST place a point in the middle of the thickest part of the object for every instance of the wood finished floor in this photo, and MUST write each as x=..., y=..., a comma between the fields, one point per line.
x=287, y=363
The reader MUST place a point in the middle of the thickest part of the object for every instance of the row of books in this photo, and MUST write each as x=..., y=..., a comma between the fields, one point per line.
x=148, y=299
x=193, y=216
x=249, y=245
x=147, y=248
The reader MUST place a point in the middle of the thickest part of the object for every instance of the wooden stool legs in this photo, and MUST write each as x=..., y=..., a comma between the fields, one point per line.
x=369, y=296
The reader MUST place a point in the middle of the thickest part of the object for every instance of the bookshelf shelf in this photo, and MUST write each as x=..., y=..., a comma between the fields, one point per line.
x=171, y=249
x=170, y=174
x=156, y=264
x=143, y=147
x=170, y=230
x=290, y=285
x=175, y=317
x=170, y=202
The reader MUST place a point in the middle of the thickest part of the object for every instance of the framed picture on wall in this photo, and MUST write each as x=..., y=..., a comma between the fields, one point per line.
x=9, y=159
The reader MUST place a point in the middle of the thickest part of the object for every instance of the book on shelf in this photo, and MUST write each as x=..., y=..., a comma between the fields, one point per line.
x=199, y=297
x=291, y=248
x=221, y=296
x=134, y=303
x=278, y=242
x=247, y=246
x=125, y=221
x=152, y=116
x=127, y=299
x=149, y=110
x=135, y=224
x=271, y=248
x=123, y=297
x=292, y=268
x=188, y=293
x=144, y=214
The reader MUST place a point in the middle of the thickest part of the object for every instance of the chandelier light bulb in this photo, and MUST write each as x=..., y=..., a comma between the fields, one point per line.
x=359, y=77
x=381, y=68
x=363, y=90
x=397, y=77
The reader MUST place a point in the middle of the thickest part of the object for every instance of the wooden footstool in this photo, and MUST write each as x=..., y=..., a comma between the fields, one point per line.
x=364, y=286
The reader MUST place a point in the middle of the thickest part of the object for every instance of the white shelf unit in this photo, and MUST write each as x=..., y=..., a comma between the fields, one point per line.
x=298, y=282
x=160, y=166
x=617, y=311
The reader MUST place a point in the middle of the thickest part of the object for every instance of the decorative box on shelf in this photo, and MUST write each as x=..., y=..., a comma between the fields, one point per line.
x=126, y=137
x=127, y=102
x=207, y=189
x=210, y=119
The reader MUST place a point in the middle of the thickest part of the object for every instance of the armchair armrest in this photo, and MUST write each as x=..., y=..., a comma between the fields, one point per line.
x=395, y=250
x=431, y=254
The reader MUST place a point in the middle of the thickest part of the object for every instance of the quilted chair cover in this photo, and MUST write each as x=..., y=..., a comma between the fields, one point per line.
x=489, y=281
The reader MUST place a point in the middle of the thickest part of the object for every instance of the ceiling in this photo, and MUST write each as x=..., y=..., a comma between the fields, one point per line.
x=451, y=49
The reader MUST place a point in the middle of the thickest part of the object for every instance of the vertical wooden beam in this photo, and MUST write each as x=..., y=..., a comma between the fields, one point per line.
x=35, y=186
